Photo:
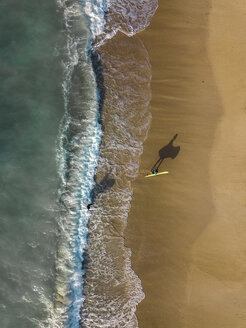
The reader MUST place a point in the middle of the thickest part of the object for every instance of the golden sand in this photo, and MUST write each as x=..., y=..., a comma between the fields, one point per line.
x=187, y=230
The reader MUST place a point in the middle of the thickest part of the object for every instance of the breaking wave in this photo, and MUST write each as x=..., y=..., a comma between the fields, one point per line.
x=106, y=94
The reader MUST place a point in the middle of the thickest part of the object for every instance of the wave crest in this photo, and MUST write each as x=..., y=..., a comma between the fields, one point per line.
x=108, y=17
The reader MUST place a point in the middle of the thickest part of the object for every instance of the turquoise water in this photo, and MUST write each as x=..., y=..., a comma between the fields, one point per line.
x=63, y=73
x=31, y=107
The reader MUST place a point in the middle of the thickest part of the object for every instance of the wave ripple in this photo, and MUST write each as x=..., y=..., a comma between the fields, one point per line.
x=106, y=80
x=112, y=290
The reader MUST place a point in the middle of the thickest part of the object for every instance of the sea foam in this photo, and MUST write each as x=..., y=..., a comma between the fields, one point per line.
x=112, y=289
x=95, y=285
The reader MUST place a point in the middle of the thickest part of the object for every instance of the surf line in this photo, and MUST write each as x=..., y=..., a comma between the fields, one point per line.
x=78, y=152
x=90, y=148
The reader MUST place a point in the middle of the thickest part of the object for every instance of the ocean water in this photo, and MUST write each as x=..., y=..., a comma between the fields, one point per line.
x=31, y=108
x=75, y=92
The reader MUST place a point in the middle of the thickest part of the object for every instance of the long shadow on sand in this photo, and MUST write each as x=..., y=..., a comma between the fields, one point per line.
x=168, y=151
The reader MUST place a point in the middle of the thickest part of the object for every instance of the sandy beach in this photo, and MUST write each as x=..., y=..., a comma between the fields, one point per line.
x=187, y=229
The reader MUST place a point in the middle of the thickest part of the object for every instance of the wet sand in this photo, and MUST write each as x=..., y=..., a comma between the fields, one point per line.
x=187, y=229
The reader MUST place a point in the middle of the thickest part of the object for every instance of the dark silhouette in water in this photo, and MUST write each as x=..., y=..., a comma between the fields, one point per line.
x=168, y=151
x=105, y=184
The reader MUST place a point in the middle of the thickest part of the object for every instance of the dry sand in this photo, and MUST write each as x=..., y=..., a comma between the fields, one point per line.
x=187, y=229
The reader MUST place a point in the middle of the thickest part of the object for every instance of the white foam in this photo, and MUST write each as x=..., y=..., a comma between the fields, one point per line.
x=95, y=11
x=107, y=17
x=112, y=288
x=77, y=157
x=78, y=149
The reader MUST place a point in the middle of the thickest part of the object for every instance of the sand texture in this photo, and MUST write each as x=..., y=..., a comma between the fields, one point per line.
x=187, y=229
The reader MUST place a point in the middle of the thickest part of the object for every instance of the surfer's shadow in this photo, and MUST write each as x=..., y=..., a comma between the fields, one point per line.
x=168, y=151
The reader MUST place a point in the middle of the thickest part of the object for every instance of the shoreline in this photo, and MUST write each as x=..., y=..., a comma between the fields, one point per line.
x=187, y=229
x=169, y=213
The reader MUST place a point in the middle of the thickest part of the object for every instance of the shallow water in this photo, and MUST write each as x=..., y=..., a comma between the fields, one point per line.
x=112, y=290
x=74, y=99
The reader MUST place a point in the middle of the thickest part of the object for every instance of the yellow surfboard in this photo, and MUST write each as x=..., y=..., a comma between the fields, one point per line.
x=153, y=175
